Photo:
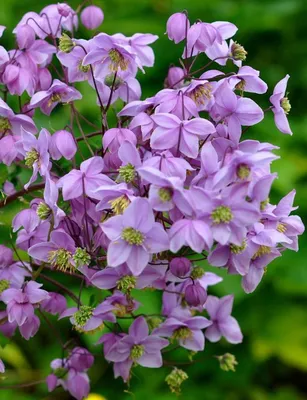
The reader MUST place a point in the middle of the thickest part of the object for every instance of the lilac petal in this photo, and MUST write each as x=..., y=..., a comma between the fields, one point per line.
x=156, y=239
x=113, y=227
x=282, y=122
x=137, y=260
x=139, y=215
x=197, y=323
x=151, y=360
x=118, y=252
x=225, y=307
x=248, y=112
x=105, y=279
x=195, y=343
x=154, y=343
x=213, y=333
x=230, y=329
x=212, y=306
x=219, y=256
x=40, y=251
x=139, y=329
x=252, y=279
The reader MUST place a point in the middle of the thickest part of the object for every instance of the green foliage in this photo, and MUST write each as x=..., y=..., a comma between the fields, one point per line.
x=273, y=358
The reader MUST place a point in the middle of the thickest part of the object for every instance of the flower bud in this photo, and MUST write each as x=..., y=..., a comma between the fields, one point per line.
x=180, y=266
x=227, y=362
x=81, y=359
x=92, y=17
x=65, y=43
x=175, y=380
x=195, y=295
x=174, y=77
x=177, y=27
x=55, y=304
x=25, y=36
x=62, y=144
x=64, y=10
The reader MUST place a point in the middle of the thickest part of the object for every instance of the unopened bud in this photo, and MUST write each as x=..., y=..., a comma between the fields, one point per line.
x=175, y=380
x=227, y=362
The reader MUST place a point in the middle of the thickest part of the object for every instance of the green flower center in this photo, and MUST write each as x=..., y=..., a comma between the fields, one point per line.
x=43, y=211
x=83, y=68
x=222, y=214
x=61, y=260
x=117, y=61
x=263, y=204
x=238, y=52
x=109, y=81
x=83, y=315
x=182, y=333
x=243, y=171
x=133, y=236
x=235, y=249
x=136, y=352
x=197, y=273
x=126, y=283
x=285, y=105
x=4, y=284
x=4, y=124
x=165, y=195
x=81, y=257
x=31, y=157
x=119, y=205
x=262, y=251
x=241, y=85
x=65, y=43
x=127, y=173
x=227, y=362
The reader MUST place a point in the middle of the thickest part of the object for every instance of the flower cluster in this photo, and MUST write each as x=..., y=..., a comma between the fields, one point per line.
x=172, y=188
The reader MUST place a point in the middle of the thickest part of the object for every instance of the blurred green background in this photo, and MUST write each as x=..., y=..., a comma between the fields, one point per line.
x=273, y=357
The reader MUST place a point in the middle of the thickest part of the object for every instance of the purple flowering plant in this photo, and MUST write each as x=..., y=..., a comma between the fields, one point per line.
x=172, y=188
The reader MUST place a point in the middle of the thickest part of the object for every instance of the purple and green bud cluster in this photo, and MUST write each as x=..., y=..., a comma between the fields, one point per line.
x=173, y=187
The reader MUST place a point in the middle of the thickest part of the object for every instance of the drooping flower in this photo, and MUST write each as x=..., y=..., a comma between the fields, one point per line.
x=281, y=106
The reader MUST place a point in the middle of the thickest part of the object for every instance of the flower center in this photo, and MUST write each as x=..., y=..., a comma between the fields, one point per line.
x=81, y=257
x=83, y=68
x=264, y=203
x=43, y=211
x=4, y=124
x=165, y=194
x=241, y=85
x=243, y=171
x=117, y=61
x=262, y=251
x=83, y=315
x=285, y=105
x=281, y=228
x=197, y=273
x=126, y=283
x=65, y=43
x=60, y=372
x=120, y=204
x=221, y=214
x=182, y=333
x=133, y=236
x=201, y=93
x=109, y=81
x=127, y=173
x=238, y=52
x=4, y=284
x=60, y=259
x=31, y=157
x=235, y=249
x=136, y=352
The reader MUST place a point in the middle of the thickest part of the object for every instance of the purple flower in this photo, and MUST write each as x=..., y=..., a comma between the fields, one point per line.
x=113, y=138
x=55, y=304
x=237, y=111
x=92, y=17
x=195, y=295
x=89, y=319
x=187, y=331
x=184, y=135
x=177, y=27
x=139, y=44
x=9, y=122
x=84, y=181
x=247, y=80
x=21, y=302
x=134, y=236
x=35, y=152
x=2, y=367
x=58, y=92
x=281, y=106
x=223, y=324
x=137, y=347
